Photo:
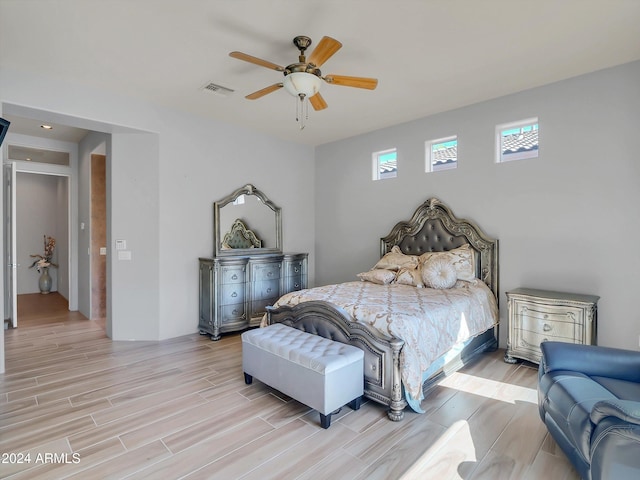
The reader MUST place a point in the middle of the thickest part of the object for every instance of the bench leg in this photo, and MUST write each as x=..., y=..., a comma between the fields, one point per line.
x=355, y=403
x=248, y=378
x=325, y=421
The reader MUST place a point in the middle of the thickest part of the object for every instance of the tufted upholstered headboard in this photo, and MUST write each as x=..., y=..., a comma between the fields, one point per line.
x=434, y=228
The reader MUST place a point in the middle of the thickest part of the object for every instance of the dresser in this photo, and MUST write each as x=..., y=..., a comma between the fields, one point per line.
x=236, y=289
x=540, y=315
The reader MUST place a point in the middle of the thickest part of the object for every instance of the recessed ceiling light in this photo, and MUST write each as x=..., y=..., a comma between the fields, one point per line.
x=46, y=127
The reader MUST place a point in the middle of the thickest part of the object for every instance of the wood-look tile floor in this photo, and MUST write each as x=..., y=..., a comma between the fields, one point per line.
x=74, y=404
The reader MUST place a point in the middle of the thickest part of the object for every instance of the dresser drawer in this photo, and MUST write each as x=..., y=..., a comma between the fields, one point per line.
x=294, y=283
x=232, y=313
x=231, y=293
x=258, y=307
x=267, y=271
x=265, y=289
x=234, y=274
x=294, y=268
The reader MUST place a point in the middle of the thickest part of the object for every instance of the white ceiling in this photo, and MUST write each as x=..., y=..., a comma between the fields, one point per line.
x=429, y=55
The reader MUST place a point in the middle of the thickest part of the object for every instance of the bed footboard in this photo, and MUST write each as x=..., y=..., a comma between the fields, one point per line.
x=382, y=378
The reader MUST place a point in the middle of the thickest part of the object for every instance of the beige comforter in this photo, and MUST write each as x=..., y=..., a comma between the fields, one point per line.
x=430, y=321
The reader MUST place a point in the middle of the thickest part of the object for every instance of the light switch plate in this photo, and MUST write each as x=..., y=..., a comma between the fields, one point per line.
x=124, y=255
x=103, y=250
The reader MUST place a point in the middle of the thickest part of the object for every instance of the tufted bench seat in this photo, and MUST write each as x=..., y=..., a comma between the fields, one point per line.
x=321, y=373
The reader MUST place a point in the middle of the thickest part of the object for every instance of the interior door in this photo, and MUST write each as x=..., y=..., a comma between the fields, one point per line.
x=11, y=270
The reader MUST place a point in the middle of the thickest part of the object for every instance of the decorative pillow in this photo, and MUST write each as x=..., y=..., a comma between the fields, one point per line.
x=439, y=272
x=410, y=276
x=379, y=276
x=395, y=260
x=462, y=258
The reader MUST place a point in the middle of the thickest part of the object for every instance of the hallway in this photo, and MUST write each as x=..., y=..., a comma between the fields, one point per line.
x=35, y=309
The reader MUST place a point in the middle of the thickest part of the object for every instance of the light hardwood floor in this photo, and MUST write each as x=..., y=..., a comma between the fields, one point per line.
x=82, y=406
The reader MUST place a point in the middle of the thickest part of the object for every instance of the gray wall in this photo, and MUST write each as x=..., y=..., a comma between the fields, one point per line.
x=165, y=169
x=566, y=221
x=41, y=209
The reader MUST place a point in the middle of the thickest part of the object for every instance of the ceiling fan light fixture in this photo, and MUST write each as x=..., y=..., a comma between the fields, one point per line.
x=302, y=83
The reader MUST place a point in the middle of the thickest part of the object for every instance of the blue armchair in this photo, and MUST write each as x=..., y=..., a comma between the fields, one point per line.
x=589, y=399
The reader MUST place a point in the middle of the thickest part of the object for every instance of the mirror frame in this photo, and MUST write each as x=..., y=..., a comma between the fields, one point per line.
x=248, y=189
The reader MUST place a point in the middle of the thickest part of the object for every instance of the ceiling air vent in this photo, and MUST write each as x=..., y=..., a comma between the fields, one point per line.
x=217, y=89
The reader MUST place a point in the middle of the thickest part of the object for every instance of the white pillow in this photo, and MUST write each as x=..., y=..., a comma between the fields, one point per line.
x=410, y=276
x=396, y=260
x=439, y=272
x=462, y=258
x=381, y=277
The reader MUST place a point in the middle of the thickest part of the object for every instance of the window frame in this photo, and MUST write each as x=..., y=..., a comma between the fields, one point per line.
x=428, y=146
x=375, y=156
x=514, y=156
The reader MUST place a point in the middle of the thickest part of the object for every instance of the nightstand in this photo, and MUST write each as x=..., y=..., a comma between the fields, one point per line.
x=539, y=315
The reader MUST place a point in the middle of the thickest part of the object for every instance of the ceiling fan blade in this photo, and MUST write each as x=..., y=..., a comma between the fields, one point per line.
x=264, y=91
x=317, y=102
x=358, y=82
x=256, y=61
x=325, y=49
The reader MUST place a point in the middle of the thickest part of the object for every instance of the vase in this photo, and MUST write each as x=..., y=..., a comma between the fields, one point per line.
x=44, y=282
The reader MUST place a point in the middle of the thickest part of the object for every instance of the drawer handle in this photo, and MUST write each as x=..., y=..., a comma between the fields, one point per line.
x=234, y=295
x=269, y=274
x=296, y=269
x=234, y=277
x=235, y=311
x=268, y=290
x=296, y=285
x=547, y=328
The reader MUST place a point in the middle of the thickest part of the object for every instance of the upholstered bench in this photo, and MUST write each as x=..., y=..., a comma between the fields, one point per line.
x=321, y=373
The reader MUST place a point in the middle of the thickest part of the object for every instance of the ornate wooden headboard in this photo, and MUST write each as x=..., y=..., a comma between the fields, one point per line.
x=239, y=236
x=434, y=228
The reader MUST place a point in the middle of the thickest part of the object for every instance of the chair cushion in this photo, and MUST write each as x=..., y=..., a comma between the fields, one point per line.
x=621, y=389
x=569, y=399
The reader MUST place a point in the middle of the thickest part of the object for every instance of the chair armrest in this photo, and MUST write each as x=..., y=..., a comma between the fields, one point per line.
x=591, y=360
x=626, y=410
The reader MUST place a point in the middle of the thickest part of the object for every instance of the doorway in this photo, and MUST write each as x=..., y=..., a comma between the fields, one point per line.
x=42, y=205
x=98, y=247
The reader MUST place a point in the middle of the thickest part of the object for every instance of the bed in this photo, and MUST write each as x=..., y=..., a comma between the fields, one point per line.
x=408, y=344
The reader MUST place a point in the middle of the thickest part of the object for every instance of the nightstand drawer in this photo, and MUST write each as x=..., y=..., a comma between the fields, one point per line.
x=547, y=326
x=548, y=313
x=534, y=339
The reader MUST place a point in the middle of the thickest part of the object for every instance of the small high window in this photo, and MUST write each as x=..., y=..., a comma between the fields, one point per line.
x=385, y=164
x=441, y=154
x=517, y=141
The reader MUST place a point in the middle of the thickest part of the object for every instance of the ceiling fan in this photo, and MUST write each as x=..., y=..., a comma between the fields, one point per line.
x=303, y=79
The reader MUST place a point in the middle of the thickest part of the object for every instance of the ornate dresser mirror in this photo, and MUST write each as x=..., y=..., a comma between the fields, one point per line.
x=246, y=221
x=249, y=270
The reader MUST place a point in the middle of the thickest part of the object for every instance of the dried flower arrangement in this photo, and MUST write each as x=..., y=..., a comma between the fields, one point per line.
x=45, y=260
